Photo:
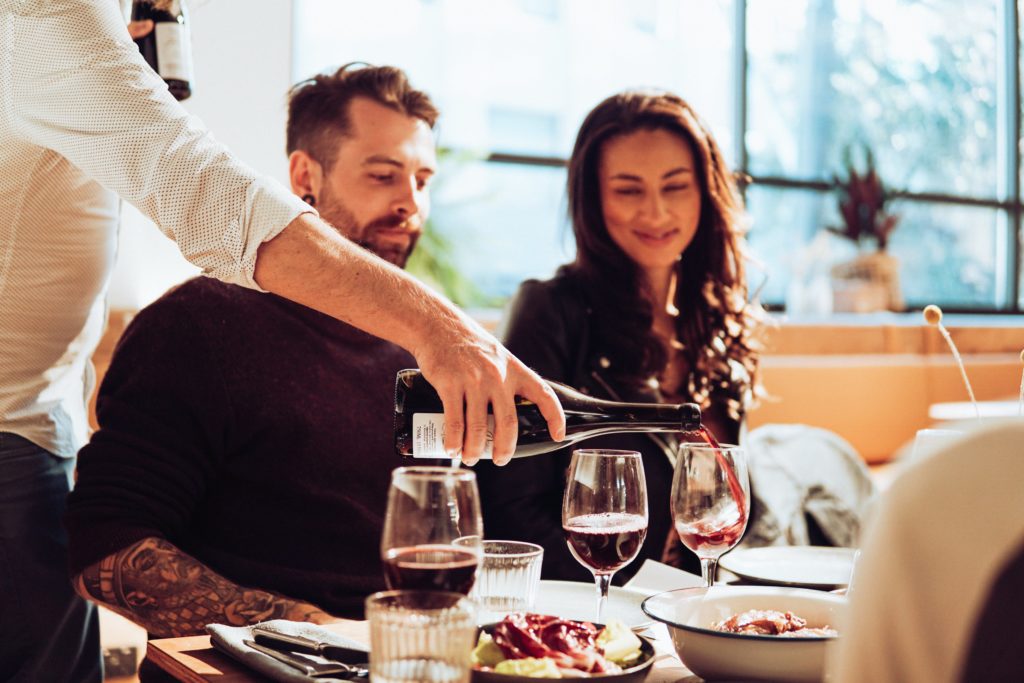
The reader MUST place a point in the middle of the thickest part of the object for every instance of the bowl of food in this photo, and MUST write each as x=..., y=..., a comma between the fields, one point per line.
x=527, y=646
x=763, y=633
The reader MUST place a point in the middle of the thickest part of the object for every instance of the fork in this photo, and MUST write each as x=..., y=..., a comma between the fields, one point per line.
x=308, y=666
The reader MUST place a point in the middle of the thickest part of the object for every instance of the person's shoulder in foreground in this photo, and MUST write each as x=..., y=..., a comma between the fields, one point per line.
x=939, y=582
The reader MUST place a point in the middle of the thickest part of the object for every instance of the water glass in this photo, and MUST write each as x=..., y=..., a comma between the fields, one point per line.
x=420, y=636
x=509, y=579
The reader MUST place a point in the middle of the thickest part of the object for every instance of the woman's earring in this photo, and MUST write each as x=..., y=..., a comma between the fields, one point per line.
x=309, y=199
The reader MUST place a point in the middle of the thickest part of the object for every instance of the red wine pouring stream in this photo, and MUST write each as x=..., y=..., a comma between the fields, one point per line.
x=730, y=472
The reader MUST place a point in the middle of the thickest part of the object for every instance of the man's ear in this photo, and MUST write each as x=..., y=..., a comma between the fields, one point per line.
x=305, y=173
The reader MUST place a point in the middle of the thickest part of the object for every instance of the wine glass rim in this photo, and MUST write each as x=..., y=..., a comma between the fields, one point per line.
x=433, y=473
x=606, y=453
x=524, y=548
x=712, y=447
x=385, y=600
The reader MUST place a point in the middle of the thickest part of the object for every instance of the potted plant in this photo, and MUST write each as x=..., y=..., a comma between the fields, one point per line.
x=870, y=281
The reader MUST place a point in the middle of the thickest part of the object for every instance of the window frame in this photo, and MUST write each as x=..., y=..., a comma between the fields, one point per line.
x=1006, y=199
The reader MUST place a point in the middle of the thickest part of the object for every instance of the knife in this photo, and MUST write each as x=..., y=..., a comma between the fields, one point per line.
x=307, y=665
x=288, y=643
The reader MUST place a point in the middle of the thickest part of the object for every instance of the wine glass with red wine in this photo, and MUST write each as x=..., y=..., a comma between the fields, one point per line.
x=604, y=513
x=710, y=501
x=433, y=530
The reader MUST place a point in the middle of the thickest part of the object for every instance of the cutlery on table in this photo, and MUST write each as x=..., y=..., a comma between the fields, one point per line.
x=309, y=667
x=289, y=643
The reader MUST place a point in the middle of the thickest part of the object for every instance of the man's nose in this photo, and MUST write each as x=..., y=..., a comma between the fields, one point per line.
x=407, y=200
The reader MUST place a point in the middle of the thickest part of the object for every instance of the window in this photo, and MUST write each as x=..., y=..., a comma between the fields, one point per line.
x=523, y=132
x=930, y=86
x=513, y=81
x=917, y=82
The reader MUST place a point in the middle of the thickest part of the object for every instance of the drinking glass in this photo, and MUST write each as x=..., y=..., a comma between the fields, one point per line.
x=432, y=530
x=509, y=579
x=420, y=636
x=604, y=513
x=710, y=501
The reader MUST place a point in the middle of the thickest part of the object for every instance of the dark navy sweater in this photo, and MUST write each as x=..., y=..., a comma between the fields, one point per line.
x=253, y=433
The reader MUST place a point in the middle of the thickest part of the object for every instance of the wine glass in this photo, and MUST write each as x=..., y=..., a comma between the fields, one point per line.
x=710, y=501
x=433, y=530
x=604, y=513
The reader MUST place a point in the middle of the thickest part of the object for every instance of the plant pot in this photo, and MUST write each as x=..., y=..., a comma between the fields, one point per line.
x=870, y=282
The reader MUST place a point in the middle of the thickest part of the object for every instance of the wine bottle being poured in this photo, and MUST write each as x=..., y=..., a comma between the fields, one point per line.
x=419, y=419
x=933, y=316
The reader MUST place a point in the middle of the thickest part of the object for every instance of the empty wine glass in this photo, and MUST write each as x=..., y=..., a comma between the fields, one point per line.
x=710, y=501
x=604, y=513
x=433, y=530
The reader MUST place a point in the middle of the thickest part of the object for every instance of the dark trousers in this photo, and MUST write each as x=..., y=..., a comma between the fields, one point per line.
x=47, y=632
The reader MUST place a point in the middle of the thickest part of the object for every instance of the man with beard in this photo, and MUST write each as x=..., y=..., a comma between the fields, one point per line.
x=245, y=442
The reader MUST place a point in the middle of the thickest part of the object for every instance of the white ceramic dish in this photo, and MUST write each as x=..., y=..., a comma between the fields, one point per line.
x=690, y=612
x=808, y=566
x=578, y=601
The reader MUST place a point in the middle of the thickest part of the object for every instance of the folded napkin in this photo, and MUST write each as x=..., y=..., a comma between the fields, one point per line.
x=655, y=577
x=228, y=639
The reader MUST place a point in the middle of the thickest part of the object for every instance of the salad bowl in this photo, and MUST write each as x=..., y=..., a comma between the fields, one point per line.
x=691, y=613
x=635, y=673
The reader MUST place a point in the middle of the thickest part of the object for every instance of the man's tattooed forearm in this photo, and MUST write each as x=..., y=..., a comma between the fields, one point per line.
x=172, y=594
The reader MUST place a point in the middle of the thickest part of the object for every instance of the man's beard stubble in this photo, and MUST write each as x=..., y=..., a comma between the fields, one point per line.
x=337, y=214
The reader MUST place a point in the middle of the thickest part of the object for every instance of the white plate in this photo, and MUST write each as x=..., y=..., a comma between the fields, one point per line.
x=799, y=565
x=578, y=601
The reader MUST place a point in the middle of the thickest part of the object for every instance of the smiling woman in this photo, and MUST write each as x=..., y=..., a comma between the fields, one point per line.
x=653, y=309
x=650, y=199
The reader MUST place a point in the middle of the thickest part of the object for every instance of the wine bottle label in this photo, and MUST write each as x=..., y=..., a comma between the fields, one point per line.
x=428, y=436
x=173, y=53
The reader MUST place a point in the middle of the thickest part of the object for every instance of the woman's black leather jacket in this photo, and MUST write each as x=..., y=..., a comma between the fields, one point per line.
x=549, y=327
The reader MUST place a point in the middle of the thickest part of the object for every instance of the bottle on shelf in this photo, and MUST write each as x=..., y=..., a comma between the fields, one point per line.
x=419, y=419
x=167, y=48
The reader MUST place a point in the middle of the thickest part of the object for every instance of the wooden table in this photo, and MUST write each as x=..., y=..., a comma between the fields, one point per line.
x=193, y=659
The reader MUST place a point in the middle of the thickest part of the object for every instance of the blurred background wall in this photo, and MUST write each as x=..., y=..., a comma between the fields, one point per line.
x=242, y=55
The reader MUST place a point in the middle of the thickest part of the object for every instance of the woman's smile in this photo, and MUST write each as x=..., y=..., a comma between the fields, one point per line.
x=656, y=238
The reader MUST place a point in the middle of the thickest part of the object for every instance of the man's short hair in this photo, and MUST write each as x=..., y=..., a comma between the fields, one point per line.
x=318, y=108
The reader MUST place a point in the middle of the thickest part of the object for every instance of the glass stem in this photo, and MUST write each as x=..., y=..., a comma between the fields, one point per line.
x=708, y=569
x=603, y=581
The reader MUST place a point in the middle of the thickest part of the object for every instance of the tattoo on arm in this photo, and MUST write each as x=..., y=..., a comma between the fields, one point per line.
x=171, y=593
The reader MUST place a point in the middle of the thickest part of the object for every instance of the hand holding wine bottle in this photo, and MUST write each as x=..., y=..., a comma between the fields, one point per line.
x=140, y=29
x=472, y=373
x=421, y=426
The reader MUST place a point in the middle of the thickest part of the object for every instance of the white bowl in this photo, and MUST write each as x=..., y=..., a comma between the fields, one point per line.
x=714, y=655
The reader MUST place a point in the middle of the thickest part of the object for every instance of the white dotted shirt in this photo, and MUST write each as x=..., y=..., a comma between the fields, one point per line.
x=83, y=119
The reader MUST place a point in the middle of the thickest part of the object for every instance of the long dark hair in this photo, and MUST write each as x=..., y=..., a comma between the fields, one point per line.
x=716, y=323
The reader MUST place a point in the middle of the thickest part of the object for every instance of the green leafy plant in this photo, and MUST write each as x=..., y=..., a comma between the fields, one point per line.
x=862, y=202
x=434, y=259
